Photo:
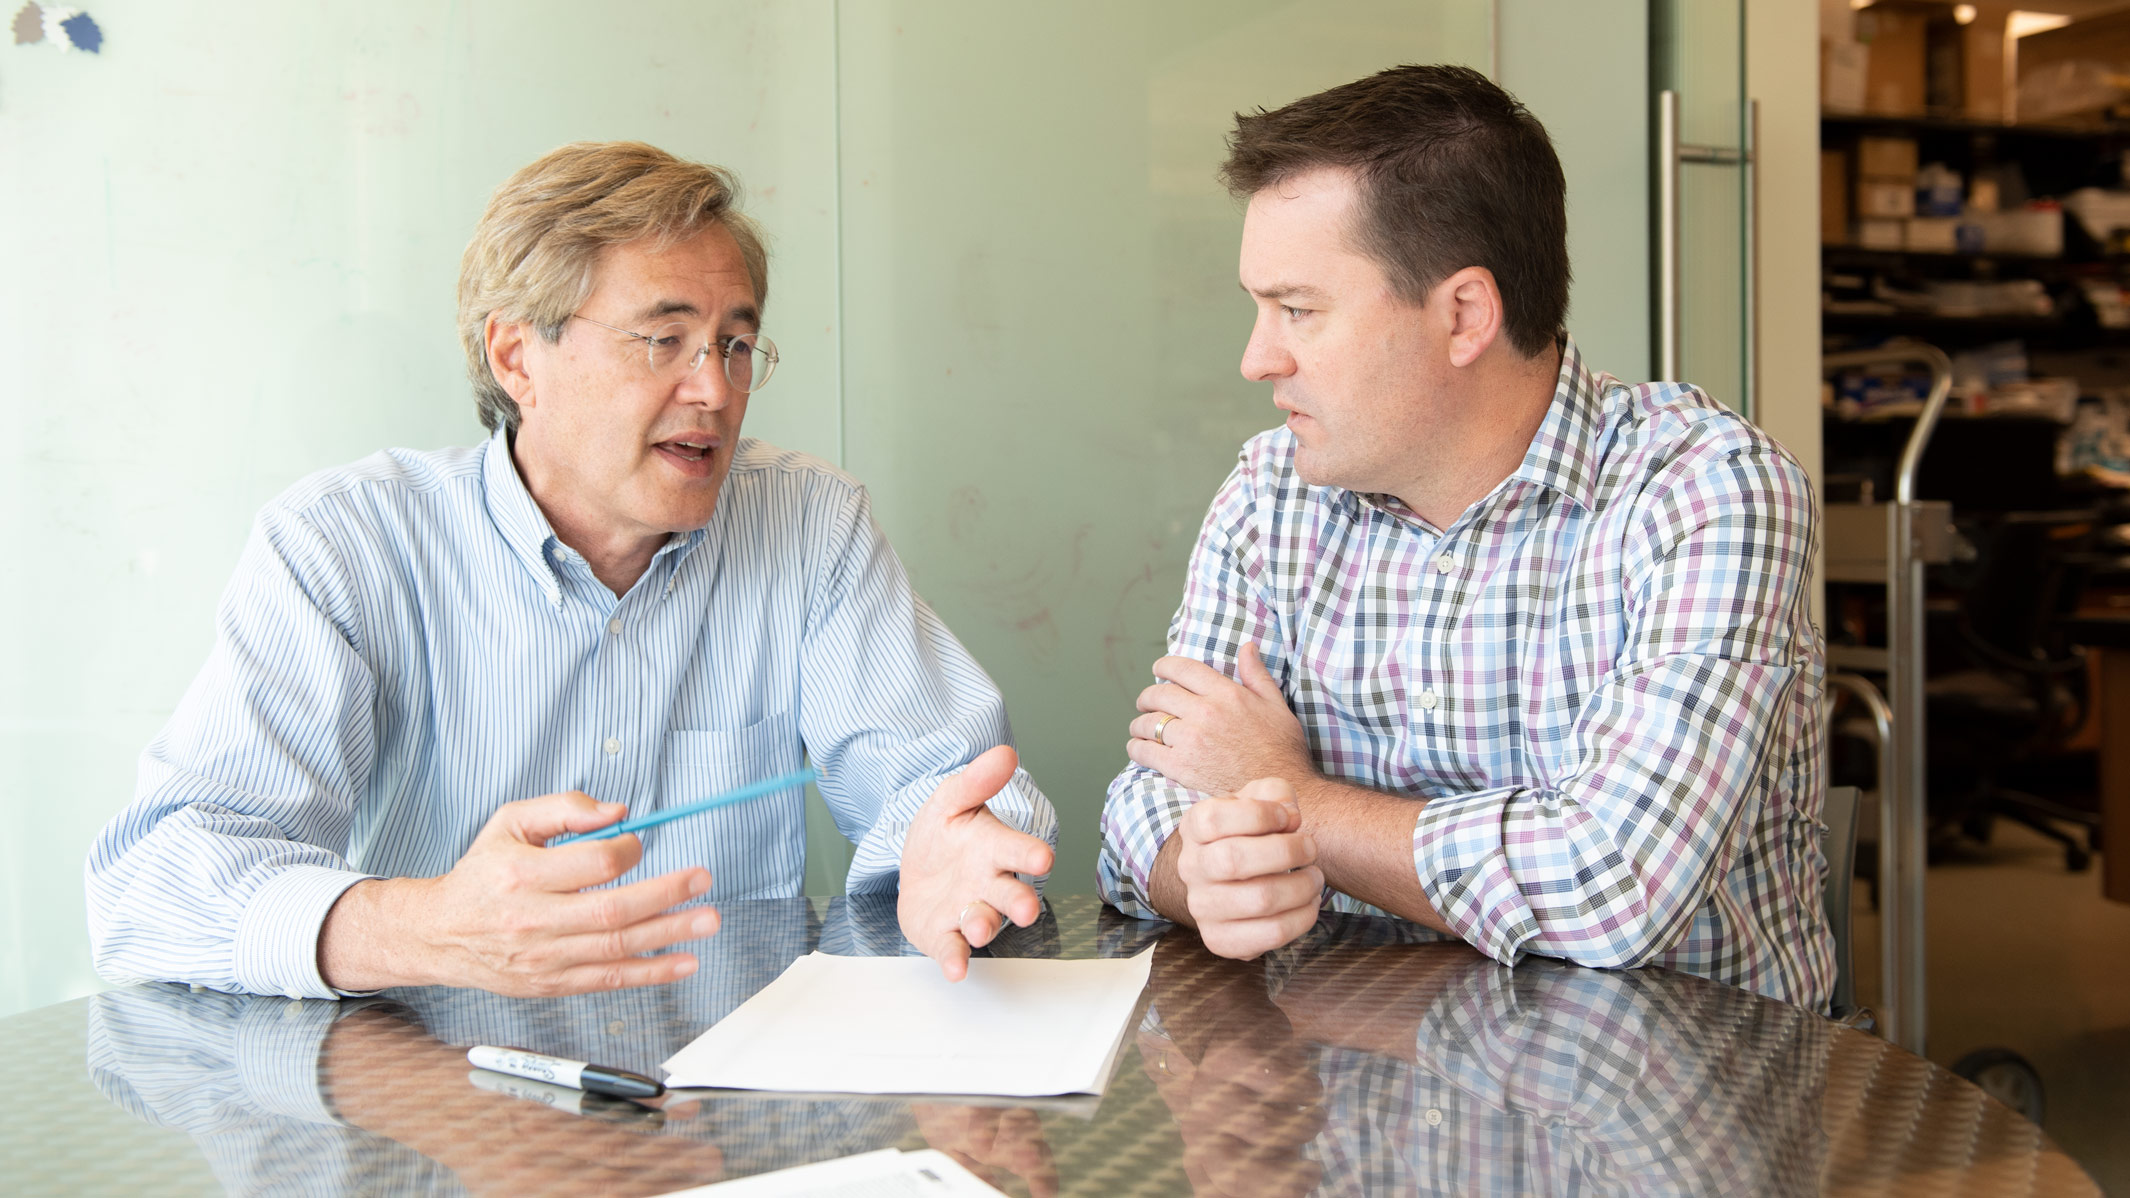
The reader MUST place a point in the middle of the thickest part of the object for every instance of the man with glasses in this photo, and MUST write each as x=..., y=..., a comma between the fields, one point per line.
x=429, y=665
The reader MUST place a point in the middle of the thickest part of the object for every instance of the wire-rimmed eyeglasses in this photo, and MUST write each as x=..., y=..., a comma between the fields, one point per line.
x=750, y=358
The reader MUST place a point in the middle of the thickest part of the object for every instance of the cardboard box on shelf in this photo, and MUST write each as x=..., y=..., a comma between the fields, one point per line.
x=1885, y=197
x=1986, y=83
x=1833, y=197
x=1843, y=65
x=1932, y=235
x=1879, y=233
x=1886, y=158
x=2037, y=231
x=1896, y=35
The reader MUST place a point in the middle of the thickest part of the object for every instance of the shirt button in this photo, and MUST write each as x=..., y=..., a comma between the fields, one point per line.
x=1428, y=699
x=613, y=743
x=1434, y=1117
x=615, y=1028
x=614, y=625
x=1442, y=563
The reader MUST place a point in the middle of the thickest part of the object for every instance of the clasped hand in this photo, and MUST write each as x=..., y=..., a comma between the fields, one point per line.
x=1248, y=870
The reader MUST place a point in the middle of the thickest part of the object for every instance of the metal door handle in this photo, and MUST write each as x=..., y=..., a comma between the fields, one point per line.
x=1671, y=152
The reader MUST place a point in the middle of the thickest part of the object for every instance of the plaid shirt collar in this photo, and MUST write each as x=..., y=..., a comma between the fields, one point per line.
x=1564, y=454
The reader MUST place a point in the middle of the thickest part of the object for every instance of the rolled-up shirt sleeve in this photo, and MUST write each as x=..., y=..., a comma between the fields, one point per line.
x=1608, y=866
x=892, y=704
x=222, y=869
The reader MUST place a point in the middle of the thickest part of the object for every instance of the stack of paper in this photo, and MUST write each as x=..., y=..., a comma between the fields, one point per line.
x=893, y=1025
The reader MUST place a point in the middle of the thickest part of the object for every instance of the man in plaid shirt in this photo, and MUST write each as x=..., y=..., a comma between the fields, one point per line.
x=1479, y=638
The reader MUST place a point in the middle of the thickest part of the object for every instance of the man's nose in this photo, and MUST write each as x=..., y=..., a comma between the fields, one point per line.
x=707, y=385
x=1264, y=358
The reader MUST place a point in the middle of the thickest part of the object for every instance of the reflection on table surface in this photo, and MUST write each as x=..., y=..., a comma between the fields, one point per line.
x=1367, y=1058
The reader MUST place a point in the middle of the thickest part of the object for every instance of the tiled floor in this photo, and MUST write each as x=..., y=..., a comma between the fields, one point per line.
x=2027, y=956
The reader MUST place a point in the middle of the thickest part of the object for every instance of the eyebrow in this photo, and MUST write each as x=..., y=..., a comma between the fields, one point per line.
x=1286, y=291
x=746, y=314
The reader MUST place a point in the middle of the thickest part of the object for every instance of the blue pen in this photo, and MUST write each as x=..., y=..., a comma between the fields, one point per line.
x=789, y=781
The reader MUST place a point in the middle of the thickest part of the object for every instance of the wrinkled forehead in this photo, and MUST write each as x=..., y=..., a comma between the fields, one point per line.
x=700, y=277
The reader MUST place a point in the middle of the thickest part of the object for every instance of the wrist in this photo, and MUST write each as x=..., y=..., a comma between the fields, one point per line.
x=374, y=937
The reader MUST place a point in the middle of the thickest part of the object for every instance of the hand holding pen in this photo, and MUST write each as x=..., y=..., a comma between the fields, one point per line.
x=513, y=916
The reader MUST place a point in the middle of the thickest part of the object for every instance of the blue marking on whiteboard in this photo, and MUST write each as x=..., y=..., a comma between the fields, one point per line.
x=82, y=33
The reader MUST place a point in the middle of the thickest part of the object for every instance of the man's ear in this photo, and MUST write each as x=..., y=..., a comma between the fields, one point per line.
x=506, y=357
x=1473, y=303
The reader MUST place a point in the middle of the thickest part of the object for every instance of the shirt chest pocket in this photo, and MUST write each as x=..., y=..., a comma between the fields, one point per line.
x=701, y=763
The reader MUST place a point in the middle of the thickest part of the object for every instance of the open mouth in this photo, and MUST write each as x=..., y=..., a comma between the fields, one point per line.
x=688, y=451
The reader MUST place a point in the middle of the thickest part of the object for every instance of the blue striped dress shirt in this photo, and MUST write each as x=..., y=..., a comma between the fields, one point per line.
x=406, y=646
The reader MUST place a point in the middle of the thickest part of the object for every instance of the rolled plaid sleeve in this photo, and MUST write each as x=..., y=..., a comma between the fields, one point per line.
x=1609, y=865
x=1224, y=606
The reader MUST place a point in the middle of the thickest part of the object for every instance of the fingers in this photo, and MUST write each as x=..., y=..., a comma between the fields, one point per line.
x=1270, y=790
x=537, y=821
x=1192, y=675
x=980, y=921
x=1249, y=939
x=579, y=865
x=1213, y=818
x=1238, y=858
x=1012, y=899
x=1251, y=672
x=620, y=907
x=952, y=953
x=621, y=974
x=974, y=786
x=1171, y=698
x=1256, y=897
x=636, y=939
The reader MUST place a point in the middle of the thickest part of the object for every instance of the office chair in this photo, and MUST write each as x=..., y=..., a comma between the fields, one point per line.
x=1839, y=814
x=2021, y=692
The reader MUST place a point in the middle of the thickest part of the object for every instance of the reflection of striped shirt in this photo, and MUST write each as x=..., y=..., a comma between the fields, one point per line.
x=1603, y=677
x=245, y=1076
x=406, y=646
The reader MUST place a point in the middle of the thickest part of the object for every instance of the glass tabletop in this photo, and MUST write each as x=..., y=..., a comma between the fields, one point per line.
x=1367, y=1058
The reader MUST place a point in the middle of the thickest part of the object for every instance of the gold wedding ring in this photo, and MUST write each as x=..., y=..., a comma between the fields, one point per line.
x=1160, y=726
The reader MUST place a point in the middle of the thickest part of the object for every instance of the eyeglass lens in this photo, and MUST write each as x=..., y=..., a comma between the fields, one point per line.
x=750, y=358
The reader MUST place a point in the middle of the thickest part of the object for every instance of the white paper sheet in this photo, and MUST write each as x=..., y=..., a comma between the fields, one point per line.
x=888, y=1173
x=893, y=1025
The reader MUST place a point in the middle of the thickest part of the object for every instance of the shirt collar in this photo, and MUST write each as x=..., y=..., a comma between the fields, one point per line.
x=524, y=526
x=1564, y=453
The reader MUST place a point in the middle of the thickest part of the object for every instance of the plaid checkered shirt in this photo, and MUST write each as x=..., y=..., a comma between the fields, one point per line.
x=1602, y=679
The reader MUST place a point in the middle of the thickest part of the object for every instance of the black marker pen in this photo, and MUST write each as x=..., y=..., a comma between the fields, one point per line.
x=562, y=1072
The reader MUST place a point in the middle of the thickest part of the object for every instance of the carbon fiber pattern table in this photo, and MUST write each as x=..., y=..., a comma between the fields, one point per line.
x=1367, y=1058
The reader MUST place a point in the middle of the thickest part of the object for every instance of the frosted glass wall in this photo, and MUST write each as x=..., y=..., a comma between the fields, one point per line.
x=1004, y=285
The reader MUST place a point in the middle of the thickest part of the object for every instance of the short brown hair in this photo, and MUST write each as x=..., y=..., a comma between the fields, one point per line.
x=535, y=253
x=1453, y=172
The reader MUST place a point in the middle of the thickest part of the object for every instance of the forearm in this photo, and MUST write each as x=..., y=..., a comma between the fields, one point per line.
x=1364, y=841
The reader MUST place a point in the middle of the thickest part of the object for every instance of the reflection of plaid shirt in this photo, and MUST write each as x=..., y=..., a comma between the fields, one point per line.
x=1567, y=1081
x=1603, y=677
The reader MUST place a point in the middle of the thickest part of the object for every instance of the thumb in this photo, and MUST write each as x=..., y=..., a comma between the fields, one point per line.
x=1252, y=673
x=537, y=821
x=974, y=786
x=1275, y=790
